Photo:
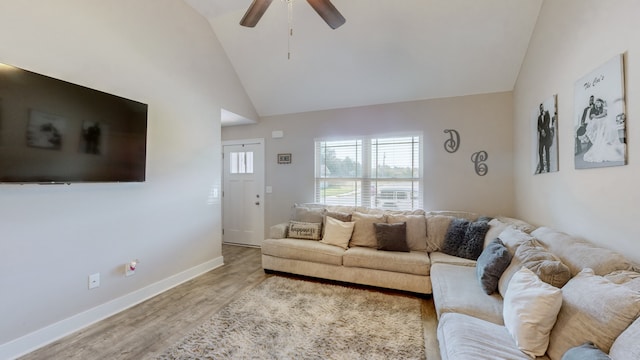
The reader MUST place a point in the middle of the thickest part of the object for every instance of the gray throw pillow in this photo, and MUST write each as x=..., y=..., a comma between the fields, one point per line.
x=586, y=351
x=392, y=237
x=465, y=238
x=492, y=262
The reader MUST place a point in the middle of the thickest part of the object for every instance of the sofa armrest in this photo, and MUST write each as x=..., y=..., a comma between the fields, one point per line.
x=279, y=231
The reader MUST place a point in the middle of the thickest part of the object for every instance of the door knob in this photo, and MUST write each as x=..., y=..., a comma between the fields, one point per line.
x=257, y=202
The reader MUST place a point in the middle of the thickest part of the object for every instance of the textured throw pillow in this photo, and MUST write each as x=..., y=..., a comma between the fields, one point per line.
x=495, y=258
x=337, y=233
x=416, y=230
x=586, y=351
x=364, y=233
x=392, y=237
x=437, y=226
x=530, y=309
x=465, y=238
x=532, y=255
x=593, y=309
x=305, y=230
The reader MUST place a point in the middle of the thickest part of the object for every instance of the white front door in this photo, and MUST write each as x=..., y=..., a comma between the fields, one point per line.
x=243, y=192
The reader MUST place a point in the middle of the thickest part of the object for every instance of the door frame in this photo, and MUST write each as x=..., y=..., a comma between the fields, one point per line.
x=261, y=143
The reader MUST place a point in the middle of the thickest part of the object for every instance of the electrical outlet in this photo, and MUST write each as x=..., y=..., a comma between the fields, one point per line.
x=94, y=281
x=130, y=268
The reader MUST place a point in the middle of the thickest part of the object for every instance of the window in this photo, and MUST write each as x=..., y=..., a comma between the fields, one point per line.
x=241, y=162
x=373, y=172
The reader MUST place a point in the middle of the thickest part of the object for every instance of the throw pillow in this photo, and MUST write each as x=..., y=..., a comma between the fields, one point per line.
x=305, y=230
x=305, y=214
x=492, y=262
x=586, y=351
x=416, y=230
x=465, y=239
x=627, y=345
x=532, y=255
x=364, y=233
x=342, y=216
x=392, y=237
x=594, y=309
x=437, y=226
x=530, y=310
x=337, y=232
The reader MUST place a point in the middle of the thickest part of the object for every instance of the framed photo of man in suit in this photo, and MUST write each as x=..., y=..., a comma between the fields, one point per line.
x=544, y=119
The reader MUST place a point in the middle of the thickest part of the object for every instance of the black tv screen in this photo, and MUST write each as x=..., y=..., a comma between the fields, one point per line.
x=53, y=131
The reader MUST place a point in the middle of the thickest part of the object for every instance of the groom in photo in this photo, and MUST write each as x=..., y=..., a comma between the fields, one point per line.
x=544, y=140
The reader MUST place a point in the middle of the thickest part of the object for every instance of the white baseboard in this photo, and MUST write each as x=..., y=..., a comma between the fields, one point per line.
x=39, y=338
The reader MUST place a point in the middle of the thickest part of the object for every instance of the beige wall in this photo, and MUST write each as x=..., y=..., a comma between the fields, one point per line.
x=483, y=121
x=160, y=52
x=572, y=38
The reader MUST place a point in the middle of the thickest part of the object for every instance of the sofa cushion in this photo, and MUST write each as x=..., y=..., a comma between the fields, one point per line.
x=495, y=258
x=532, y=255
x=442, y=258
x=586, y=351
x=463, y=337
x=306, y=250
x=627, y=345
x=305, y=230
x=337, y=233
x=512, y=238
x=410, y=263
x=364, y=232
x=496, y=227
x=416, y=230
x=530, y=310
x=578, y=254
x=517, y=224
x=342, y=216
x=593, y=309
x=392, y=237
x=437, y=226
x=307, y=214
x=456, y=290
x=465, y=238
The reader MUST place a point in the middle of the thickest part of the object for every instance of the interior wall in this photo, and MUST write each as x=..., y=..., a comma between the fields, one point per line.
x=159, y=52
x=571, y=39
x=484, y=122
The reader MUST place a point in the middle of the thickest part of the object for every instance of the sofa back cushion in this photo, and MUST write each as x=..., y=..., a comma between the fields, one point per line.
x=437, y=226
x=364, y=231
x=579, y=254
x=593, y=309
x=416, y=230
x=627, y=345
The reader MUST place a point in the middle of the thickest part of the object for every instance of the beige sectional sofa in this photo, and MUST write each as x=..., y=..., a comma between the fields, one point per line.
x=592, y=307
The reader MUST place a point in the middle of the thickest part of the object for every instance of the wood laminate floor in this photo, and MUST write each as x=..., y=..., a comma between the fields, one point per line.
x=146, y=330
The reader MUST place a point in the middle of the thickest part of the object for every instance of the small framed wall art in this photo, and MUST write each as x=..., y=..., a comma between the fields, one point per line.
x=284, y=158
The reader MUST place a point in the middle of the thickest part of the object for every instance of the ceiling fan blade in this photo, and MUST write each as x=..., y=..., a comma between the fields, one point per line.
x=328, y=12
x=255, y=12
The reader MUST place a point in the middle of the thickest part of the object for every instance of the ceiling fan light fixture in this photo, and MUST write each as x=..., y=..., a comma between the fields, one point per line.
x=255, y=12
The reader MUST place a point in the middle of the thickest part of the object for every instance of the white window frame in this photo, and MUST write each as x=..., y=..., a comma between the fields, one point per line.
x=367, y=181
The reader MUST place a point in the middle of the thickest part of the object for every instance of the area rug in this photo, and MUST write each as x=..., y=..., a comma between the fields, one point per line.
x=284, y=318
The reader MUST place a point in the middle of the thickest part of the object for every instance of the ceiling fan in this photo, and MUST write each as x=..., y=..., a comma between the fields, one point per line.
x=324, y=8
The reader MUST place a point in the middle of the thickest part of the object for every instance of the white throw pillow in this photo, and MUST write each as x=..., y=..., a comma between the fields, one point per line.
x=530, y=310
x=337, y=232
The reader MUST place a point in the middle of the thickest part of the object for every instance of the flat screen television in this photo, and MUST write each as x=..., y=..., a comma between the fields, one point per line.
x=53, y=131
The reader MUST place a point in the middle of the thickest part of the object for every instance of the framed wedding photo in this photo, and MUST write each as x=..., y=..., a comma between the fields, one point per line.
x=600, y=117
x=544, y=119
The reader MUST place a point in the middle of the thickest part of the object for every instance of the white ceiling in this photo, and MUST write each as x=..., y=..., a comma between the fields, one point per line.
x=387, y=51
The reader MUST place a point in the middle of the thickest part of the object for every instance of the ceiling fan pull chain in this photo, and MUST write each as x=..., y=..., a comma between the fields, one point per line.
x=290, y=17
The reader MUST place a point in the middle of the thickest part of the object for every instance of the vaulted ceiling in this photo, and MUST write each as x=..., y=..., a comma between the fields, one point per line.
x=387, y=51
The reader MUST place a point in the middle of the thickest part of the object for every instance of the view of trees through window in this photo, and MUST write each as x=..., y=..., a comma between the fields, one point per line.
x=373, y=172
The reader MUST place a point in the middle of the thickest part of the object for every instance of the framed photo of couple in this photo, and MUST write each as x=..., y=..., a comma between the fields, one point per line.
x=545, y=122
x=600, y=117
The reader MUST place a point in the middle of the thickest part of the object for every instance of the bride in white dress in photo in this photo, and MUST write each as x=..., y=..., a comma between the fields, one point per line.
x=602, y=131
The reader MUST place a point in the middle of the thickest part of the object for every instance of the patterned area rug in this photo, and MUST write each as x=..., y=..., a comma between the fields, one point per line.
x=283, y=318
